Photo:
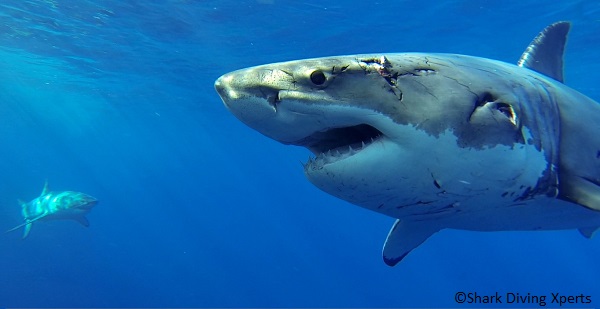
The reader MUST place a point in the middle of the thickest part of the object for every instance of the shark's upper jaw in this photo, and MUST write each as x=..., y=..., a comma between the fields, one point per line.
x=279, y=115
x=340, y=139
x=270, y=101
x=336, y=144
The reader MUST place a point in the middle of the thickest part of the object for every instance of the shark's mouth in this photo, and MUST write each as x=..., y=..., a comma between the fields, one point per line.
x=339, y=143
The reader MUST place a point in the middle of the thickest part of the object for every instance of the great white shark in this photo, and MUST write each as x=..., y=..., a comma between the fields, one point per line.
x=65, y=205
x=437, y=140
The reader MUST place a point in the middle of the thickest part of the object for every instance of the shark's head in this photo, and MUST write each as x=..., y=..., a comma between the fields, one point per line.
x=80, y=201
x=402, y=134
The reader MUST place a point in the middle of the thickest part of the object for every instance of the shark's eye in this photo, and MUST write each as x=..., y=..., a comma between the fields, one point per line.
x=318, y=77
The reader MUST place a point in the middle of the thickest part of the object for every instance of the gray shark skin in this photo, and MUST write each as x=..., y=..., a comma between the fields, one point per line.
x=437, y=140
x=65, y=205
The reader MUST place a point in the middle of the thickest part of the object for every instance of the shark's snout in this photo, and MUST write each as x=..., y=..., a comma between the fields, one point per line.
x=83, y=201
x=220, y=87
x=246, y=98
x=225, y=89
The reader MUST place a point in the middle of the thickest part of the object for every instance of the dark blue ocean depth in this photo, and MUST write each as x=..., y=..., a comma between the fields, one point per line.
x=116, y=99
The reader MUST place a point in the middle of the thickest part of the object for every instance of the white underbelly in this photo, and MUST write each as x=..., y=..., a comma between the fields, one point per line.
x=542, y=213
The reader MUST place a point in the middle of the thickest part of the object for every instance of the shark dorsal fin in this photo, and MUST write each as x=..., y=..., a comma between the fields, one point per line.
x=545, y=53
x=45, y=190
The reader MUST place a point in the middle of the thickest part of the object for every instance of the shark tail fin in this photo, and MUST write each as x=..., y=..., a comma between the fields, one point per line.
x=403, y=238
x=545, y=53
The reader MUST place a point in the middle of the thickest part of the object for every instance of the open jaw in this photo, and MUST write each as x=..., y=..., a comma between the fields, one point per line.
x=336, y=144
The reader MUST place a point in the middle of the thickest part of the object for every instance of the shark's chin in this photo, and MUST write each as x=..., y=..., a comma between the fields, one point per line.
x=367, y=177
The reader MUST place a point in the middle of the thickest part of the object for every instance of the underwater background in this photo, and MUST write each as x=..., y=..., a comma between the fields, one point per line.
x=116, y=99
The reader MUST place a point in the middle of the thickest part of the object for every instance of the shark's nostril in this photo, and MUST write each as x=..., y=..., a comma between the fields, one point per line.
x=273, y=99
x=270, y=94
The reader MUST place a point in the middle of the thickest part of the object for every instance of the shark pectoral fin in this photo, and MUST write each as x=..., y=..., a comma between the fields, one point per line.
x=403, y=238
x=83, y=220
x=580, y=190
x=26, y=230
x=588, y=232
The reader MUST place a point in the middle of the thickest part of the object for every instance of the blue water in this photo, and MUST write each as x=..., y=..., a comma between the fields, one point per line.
x=116, y=99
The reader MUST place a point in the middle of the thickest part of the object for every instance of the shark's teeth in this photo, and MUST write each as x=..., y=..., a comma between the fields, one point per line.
x=336, y=155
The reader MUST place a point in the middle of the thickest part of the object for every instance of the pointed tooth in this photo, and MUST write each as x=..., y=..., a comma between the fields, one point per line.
x=337, y=153
x=363, y=144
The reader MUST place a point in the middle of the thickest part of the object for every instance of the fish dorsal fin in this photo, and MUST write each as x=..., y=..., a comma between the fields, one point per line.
x=545, y=53
x=45, y=190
